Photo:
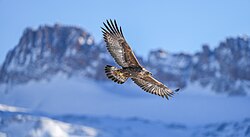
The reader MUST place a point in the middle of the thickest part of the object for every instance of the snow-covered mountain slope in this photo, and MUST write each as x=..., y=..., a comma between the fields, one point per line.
x=42, y=53
x=26, y=125
x=11, y=108
x=193, y=105
x=23, y=124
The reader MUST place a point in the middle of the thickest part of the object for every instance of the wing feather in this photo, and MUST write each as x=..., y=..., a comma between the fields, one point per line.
x=117, y=45
x=151, y=85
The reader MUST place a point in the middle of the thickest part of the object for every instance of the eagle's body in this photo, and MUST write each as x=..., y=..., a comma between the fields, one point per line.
x=128, y=72
x=131, y=68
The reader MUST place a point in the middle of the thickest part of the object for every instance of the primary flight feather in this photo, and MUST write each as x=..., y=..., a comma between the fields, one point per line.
x=131, y=68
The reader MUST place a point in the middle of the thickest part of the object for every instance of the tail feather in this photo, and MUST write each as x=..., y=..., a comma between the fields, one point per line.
x=115, y=74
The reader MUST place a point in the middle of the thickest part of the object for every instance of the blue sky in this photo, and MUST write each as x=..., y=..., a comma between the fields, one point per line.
x=176, y=26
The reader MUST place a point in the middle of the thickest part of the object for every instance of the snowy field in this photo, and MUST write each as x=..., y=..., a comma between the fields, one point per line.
x=108, y=109
x=26, y=124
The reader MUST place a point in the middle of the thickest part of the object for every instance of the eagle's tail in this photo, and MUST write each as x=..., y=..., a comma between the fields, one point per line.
x=115, y=74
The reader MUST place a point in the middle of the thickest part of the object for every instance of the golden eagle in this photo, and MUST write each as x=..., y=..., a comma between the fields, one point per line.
x=131, y=68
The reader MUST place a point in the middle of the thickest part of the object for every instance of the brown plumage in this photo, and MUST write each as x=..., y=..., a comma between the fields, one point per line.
x=131, y=68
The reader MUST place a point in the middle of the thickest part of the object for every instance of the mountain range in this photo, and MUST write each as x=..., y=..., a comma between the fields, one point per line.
x=71, y=51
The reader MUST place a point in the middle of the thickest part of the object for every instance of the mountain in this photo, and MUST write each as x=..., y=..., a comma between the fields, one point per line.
x=72, y=51
x=42, y=53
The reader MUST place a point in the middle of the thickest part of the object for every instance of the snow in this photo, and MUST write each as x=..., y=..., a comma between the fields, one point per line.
x=12, y=65
x=214, y=64
x=170, y=62
x=84, y=108
x=243, y=62
x=46, y=54
x=81, y=40
x=226, y=52
x=90, y=70
x=70, y=52
x=18, y=124
x=21, y=57
x=163, y=54
x=59, y=129
x=95, y=63
x=245, y=37
x=3, y=134
x=38, y=38
x=182, y=63
x=192, y=106
x=11, y=108
x=23, y=125
x=90, y=40
x=28, y=60
x=29, y=46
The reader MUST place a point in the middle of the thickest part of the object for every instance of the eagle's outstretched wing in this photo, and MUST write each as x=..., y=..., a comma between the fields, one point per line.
x=151, y=85
x=117, y=45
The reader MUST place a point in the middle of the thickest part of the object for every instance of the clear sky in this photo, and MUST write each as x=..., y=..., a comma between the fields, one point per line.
x=176, y=26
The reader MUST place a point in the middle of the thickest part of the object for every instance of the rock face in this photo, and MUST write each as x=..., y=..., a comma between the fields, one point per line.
x=224, y=69
x=71, y=51
x=42, y=53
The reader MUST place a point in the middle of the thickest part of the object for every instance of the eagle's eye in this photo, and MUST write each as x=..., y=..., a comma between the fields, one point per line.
x=148, y=73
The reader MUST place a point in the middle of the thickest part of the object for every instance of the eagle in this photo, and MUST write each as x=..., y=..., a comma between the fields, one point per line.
x=130, y=67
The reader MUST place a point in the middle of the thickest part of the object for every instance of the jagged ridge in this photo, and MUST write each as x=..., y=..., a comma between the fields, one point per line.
x=69, y=50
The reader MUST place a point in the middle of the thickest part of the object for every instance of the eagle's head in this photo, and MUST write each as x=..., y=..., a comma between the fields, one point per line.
x=149, y=73
x=146, y=72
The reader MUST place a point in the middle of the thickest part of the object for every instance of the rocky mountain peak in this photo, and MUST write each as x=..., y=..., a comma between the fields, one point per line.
x=49, y=49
